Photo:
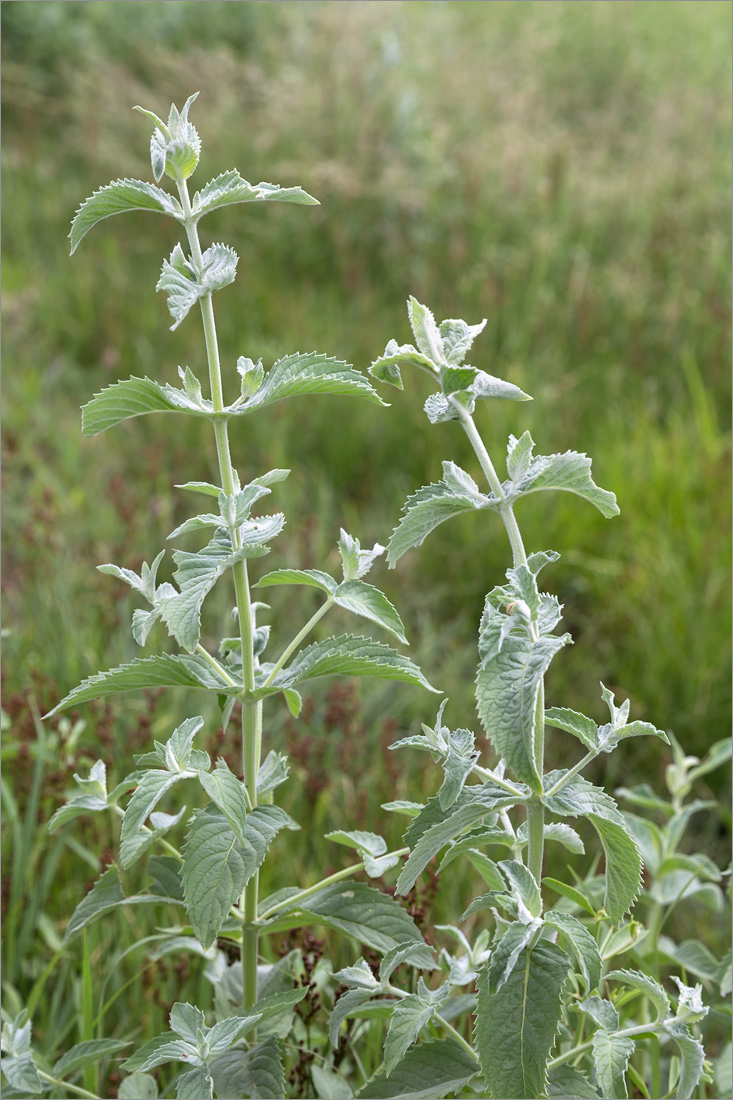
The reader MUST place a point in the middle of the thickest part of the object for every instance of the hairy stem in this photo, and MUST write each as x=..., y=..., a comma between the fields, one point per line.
x=251, y=710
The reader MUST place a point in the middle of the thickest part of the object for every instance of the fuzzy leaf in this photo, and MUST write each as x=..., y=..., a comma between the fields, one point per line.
x=138, y=1086
x=106, y=894
x=132, y=397
x=226, y=791
x=646, y=985
x=151, y=672
x=691, y=1056
x=308, y=373
x=257, y=1073
x=88, y=1053
x=585, y=729
x=506, y=951
x=195, y=1084
x=429, y=1071
x=185, y=283
x=473, y=804
x=611, y=1055
x=516, y=1027
x=583, y=944
x=313, y=577
x=359, y=911
x=117, y=197
x=458, y=337
x=578, y=798
x=230, y=188
x=566, y=1083
x=432, y=505
x=507, y=690
x=387, y=367
x=365, y=600
x=570, y=472
x=149, y=791
x=347, y=655
x=426, y=332
x=409, y=1017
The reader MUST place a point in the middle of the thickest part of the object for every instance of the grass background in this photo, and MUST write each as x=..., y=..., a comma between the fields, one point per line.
x=559, y=168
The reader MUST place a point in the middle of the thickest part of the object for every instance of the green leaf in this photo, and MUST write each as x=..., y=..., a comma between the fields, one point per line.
x=692, y=1057
x=133, y=397
x=566, y=1083
x=134, y=846
x=646, y=985
x=313, y=577
x=523, y=885
x=105, y=895
x=226, y=791
x=93, y=798
x=355, y=562
x=426, y=332
x=328, y=1084
x=365, y=600
x=507, y=690
x=22, y=1074
x=346, y=655
x=117, y=197
x=418, y=955
x=184, y=282
x=346, y=1004
x=138, y=1086
x=409, y=1017
x=435, y=828
x=150, y=789
x=516, y=1026
x=578, y=798
x=257, y=1073
x=569, y=472
x=197, y=574
x=457, y=338
x=430, y=1071
x=371, y=848
x=505, y=952
x=432, y=505
x=603, y=1013
x=308, y=373
x=217, y=867
x=195, y=1084
x=611, y=1055
x=585, y=729
x=570, y=893
x=89, y=1053
x=583, y=944
x=162, y=671
x=367, y=915
x=464, y=385
x=230, y=188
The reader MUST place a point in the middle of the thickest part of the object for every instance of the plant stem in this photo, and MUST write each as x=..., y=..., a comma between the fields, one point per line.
x=76, y=1089
x=535, y=808
x=295, y=899
x=251, y=710
x=298, y=639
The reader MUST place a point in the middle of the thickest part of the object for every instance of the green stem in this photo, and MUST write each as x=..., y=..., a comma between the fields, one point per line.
x=295, y=899
x=625, y=1033
x=535, y=809
x=573, y=771
x=76, y=1089
x=251, y=710
x=298, y=639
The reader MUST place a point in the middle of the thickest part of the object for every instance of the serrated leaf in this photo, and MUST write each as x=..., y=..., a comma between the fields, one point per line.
x=566, y=1083
x=138, y=1086
x=150, y=789
x=347, y=1003
x=115, y=198
x=359, y=911
x=22, y=1074
x=409, y=1017
x=184, y=282
x=257, y=1073
x=570, y=472
x=506, y=950
x=346, y=655
x=457, y=765
x=217, y=867
x=134, y=846
x=646, y=985
x=308, y=373
x=585, y=729
x=105, y=895
x=386, y=368
x=578, y=798
x=473, y=804
x=583, y=944
x=516, y=1027
x=133, y=397
x=603, y=1013
x=365, y=600
x=611, y=1055
x=162, y=671
x=418, y=955
x=312, y=577
x=432, y=505
x=429, y=1071
x=691, y=1056
x=226, y=791
x=458, y=338
x=507, y=690
x=88, y=1053
x=230, y=188
x=426, y=332
x=195, y=1084
x=273, y=771
x=329, y=1085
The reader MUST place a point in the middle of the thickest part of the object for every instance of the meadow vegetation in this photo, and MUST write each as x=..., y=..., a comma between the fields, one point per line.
x=559, y=168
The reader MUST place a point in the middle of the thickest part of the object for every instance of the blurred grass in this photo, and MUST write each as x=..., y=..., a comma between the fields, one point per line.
x=559, y=168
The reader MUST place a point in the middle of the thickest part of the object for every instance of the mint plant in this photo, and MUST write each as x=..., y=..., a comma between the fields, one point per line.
x=542, y=986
